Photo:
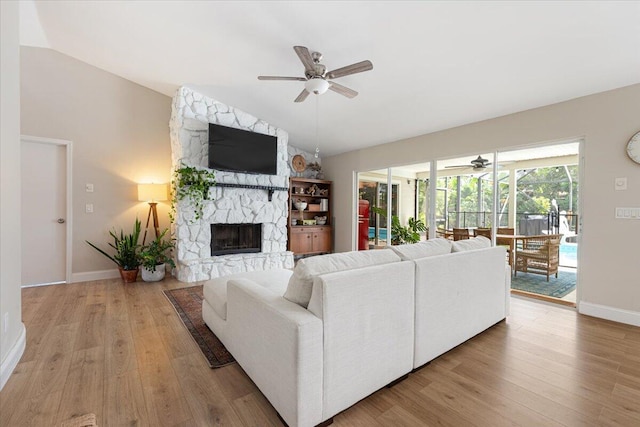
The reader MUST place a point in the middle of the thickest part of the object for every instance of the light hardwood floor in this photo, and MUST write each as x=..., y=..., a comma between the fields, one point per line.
x=121, y=352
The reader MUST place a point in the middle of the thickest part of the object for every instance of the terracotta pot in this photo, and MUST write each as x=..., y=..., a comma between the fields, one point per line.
x=129, y=276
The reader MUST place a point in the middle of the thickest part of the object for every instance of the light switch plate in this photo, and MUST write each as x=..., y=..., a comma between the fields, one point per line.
x=627, y=213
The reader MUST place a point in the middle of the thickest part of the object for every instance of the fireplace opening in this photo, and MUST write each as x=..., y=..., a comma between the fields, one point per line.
x=235, y=238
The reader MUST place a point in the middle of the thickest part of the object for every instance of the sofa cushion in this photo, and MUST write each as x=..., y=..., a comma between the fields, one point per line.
x=215, y=290
x=424, y=249
x=479, y=242
x=301, y=282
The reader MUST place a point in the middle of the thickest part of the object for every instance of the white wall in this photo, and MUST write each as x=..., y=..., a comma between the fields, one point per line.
x=12, y=332
x=120, y=136
x=609, y=268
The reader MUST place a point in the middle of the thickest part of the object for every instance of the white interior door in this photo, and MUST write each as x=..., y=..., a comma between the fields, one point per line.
x=44, y=207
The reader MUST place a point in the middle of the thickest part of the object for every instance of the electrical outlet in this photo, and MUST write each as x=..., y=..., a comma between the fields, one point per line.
x=89, y=188
x=88, y=208
x=621, y=184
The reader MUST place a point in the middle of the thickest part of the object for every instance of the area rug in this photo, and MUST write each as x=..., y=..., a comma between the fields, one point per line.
x=537, y=283
x=188, y=304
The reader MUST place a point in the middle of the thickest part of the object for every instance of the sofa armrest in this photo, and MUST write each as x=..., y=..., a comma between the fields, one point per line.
x=279, y=345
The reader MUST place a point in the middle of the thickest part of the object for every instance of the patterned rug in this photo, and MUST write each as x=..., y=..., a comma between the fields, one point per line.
x=188, y=304
x=537, y=283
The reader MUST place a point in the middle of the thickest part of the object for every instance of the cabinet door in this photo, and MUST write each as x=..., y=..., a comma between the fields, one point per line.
x=301, y=242
x=322, y=240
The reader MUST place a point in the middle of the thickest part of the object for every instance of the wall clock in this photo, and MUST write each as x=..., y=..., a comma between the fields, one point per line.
x=298, y=163
x=633, y=148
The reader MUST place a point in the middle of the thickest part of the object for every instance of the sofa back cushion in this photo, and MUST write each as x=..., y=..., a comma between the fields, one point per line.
x=424, y=249
x=301, y=282
x=479, y=242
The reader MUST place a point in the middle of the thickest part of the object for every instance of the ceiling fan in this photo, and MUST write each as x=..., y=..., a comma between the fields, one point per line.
x=479, y=163
x=316, y=77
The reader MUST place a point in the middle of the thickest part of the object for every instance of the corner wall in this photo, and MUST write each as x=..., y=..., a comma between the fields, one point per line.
x=120, y=136
x=606, y=121
x=12, y=331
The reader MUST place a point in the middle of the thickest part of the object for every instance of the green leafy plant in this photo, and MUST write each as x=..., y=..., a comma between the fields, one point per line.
x=193, y=183
x=403, y=234
x=157, y=252
x=126, y=246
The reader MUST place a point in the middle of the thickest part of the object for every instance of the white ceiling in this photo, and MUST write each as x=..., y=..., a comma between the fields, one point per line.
x=436, y=64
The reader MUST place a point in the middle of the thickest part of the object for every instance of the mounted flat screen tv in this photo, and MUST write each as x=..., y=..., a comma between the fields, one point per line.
x=239, y=150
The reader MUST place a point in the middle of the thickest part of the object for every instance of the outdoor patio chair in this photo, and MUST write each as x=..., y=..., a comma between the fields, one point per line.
x=539, y=254
x=486, y=232
x=509, y=244
x=460, y=233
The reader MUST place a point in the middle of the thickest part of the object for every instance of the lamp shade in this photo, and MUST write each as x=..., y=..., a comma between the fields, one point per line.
x=316, y=85
x=152, y=192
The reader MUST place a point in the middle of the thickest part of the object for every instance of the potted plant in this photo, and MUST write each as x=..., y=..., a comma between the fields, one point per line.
x=193, y=183
x=126, y=257
x=400, y=234
x=154, y=258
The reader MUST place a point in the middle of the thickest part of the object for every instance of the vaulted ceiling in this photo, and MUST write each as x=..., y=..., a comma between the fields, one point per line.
x=436, y=64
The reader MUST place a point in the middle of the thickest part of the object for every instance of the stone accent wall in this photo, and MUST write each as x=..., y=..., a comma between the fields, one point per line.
x=191, y=114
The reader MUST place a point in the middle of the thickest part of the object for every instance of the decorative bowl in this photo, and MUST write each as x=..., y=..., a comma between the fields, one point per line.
x=300, y=205
x=321, y=220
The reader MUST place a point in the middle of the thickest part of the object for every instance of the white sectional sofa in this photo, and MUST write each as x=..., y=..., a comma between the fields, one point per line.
x=320, y=338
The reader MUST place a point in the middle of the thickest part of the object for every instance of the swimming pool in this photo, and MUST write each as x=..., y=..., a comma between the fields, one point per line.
x=569, y=254
x=382, y=233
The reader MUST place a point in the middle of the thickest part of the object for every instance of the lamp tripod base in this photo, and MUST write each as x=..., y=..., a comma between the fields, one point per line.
x=152, y=210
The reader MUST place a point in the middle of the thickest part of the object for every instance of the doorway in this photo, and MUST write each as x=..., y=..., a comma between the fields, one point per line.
x=538, y=197
x=45, y=210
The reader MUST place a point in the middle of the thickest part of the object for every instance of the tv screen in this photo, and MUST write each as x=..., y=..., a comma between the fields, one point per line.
x=242, y=151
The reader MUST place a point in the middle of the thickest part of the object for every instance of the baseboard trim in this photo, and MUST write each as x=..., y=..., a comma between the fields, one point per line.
x=610, y=313
x=13, y=357
x=94, y=275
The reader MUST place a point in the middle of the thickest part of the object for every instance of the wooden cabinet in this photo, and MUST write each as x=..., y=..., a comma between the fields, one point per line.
x=306, y=235
x=306, y=240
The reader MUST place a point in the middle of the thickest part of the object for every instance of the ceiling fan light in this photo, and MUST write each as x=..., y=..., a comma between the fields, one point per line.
x=316, y=85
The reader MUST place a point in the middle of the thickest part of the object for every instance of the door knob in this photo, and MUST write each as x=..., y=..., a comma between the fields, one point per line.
x=60, y=220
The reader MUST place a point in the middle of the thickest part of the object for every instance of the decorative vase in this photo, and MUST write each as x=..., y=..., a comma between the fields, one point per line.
x=129, y=276
x=149, y=275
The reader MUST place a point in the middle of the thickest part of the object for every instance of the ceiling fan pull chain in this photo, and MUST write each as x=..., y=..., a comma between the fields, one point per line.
x=317, y=133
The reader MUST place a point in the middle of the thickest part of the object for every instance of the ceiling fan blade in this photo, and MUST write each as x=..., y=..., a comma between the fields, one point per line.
x=305, y=57
x=303, y=95
x=458, y=166
x=299, y=79
x=342, y=90
x=358, y=67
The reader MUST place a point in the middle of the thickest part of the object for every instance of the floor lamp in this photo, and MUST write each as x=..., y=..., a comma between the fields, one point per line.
x=152, y=194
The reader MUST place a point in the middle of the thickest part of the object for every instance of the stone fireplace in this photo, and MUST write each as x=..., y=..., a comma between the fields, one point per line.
x=241, y=205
